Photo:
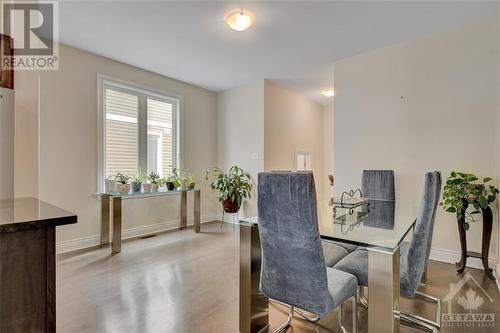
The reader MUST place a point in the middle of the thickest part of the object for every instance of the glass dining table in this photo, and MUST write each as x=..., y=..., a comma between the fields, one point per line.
x=379, y=226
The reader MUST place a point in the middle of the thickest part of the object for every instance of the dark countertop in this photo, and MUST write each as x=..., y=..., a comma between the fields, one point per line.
x=31, y=213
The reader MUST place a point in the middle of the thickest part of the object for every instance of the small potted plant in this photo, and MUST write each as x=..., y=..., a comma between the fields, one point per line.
x=179, y=179
x=154, y=179
x=463, y=189
x=110, y=184
x=137, y=180
x=231, y=188
x=122, y=183
x=170, y=182
x=190, y=180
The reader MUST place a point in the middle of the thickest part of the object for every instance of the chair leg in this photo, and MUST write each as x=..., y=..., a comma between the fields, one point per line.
x=426, y=297
x=286, y=324
x=411, y=319
x=362, y=298
x=312, y=319
x=354, y=316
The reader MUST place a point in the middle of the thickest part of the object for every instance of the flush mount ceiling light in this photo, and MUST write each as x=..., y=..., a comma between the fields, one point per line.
x=327, y=92
x=240, y=20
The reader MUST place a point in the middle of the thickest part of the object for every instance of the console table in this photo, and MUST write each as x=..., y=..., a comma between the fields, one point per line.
x=116, y=199
x=28, y=264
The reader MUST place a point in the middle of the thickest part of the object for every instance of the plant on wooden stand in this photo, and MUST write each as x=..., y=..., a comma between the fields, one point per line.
x=231, y=188
x=463, y=188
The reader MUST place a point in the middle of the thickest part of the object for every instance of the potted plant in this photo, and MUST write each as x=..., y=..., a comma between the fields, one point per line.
x=154, y=179
x=137, y=180
x=190, y=180
x=465, y=189
x=231, y=188
x=179, y=179
x=170, y=182
x=122, y=183
x=110, y=184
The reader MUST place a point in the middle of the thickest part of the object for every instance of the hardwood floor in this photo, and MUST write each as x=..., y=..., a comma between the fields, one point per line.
x=182, y=282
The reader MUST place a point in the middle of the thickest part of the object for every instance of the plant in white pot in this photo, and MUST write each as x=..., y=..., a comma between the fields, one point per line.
x=231, y=188
x=122, y=183
x=110, y=184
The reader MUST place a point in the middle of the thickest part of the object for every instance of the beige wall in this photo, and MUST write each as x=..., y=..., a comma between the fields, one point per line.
x=26, y=137
x=328, y=118
x=240, y=139
x=68, y=145
x=423, y=105
x=293, y=122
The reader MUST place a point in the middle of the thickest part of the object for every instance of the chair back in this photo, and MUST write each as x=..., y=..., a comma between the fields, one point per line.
x=293, y=263
x=378, y=184
x=414, y=260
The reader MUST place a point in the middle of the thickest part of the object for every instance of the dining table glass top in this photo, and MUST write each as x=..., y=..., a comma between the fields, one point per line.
x=378, y=224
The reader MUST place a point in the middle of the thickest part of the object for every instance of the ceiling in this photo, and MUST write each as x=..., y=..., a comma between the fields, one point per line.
x=292, y=43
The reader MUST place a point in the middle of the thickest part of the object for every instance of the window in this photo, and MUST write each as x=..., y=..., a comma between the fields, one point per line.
x=139, y=131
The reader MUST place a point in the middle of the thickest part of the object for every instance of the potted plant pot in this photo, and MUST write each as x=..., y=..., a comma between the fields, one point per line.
x=154, y=187
x=123, y=188
x=110, y=185
x=136, y=186
x=170, y=186
x=147, y=187
x=230, y=206
x=191, y=185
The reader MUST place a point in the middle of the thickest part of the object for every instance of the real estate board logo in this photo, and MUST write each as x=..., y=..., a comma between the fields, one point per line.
x=34, y=29
x=465, y=299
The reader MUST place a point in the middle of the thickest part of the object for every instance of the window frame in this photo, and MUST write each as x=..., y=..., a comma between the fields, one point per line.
x=143, y=93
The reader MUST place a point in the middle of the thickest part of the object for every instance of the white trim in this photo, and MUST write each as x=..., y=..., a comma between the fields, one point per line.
x=452, y=256
x=91, y=241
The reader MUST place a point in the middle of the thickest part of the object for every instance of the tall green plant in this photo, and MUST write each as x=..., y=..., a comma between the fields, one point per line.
x=463, y=188
x=235, y=185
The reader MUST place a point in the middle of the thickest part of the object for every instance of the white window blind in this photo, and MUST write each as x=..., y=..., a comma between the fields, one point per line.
x=139, y=131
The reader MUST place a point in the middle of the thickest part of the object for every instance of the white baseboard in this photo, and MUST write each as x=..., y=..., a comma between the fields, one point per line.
x=90, y=241
x=451, y=257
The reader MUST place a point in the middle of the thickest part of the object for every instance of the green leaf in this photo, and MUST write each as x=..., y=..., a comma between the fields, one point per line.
x=487, y=179
x=453, y=174
x=451, y=209
x=465, y=226
x=483, y=202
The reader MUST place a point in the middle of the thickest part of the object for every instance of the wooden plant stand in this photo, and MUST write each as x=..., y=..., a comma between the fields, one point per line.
x=485, y=248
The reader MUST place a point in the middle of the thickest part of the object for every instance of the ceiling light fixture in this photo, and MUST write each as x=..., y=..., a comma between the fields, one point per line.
x=240, y=20
x=328, y=92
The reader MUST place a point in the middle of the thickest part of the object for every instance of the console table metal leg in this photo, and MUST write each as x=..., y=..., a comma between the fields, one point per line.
x=117, y=225
x=183, y=210
x=197, y=211
x=104, y=219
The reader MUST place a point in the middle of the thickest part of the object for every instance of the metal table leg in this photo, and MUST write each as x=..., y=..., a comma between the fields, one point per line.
x=197, y=211
x=104, y=219
x=383, y=286
x=254, y=306
x=183, y=210
x=117, y=225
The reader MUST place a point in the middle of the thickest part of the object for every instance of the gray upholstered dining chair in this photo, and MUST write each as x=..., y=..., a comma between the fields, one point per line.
x=375, y=185
x=293, y=265
x=413, y=254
